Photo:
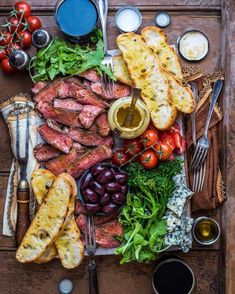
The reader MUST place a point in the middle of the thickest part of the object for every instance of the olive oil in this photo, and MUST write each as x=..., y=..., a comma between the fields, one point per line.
x=206, y=231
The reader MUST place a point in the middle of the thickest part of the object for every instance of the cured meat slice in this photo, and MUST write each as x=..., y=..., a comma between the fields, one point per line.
x=90, y=75
x=103, y=125
x=86, y=138
x=44, y=152
x=113, y=228
x=68, y=104
x=61, y=163
x=88, y=115
x=48, y=93
x=38, y=87
x=89, y=159
x=119, y=90
x=68, y=118
x=56, y=139
x=99, y=220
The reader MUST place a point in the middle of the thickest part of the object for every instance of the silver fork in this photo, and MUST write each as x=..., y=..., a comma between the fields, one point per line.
x=106, y=82
x=198, y=175
x=203, y=144
x=91, y=249
x=22, y=223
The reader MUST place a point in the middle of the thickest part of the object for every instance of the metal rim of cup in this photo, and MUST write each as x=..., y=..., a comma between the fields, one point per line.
x=191, y=291
x=163, y=13
x=207, y=243
x=57, y=6
x=128, y=7
x=192, y=31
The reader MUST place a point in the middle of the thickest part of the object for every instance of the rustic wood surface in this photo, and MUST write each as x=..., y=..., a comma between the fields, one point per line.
x=208, y=263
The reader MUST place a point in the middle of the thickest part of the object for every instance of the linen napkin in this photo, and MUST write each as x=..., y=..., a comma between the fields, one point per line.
x=8, y=110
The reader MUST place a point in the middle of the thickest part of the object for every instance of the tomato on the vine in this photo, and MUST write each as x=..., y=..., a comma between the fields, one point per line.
x=119, y=157
x=14, y=46
x=14, y=25
x=148, y=159
x=167, y=137
x=5, y=38
x=163, y=151
x=34, y=23
x=179, y=142
x=132, y=147
x=25, y=38
x=149, y=137
x=3, y=53
x=23, y=7
x=6, y=67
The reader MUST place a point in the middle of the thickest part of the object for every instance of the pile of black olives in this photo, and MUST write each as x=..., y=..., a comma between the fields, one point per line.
x=103, y=189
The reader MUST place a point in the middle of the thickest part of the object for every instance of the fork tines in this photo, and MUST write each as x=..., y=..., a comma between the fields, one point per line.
x=199, y=178
x=90, y=236
x=106, y=82
x=199, y=157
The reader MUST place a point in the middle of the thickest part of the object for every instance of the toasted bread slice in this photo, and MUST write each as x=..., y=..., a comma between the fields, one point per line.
x=69, y=246
x=48, y=220
x=49, y=254
x=120, y=70
x=41, y=181
x=181, y=97
x=146, y=74
x=156, y=39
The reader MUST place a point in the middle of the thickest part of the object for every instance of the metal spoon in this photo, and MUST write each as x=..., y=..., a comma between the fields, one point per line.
x=130, y=115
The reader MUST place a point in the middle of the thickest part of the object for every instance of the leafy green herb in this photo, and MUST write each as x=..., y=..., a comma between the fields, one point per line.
x=63, y=59
x=141, y=217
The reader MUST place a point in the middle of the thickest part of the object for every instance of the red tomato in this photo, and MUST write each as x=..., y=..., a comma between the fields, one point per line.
x=23, y=7
x=119, y=157
x=6, y=67
x=14, y=46
x=163, y=151
x=180, y=143
x=167, y=137
x=3, y=53
x=132, y=147
x=149, y=159
x=175, y=128
x=14, y=25
x=149, y=138
x=25, y=39
x=34, y=23
x=5, y=38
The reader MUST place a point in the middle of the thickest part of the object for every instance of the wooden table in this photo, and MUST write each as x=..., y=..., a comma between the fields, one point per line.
x=214, y=267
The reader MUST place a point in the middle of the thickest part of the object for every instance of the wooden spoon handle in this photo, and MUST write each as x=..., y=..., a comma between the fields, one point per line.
x=22, y=222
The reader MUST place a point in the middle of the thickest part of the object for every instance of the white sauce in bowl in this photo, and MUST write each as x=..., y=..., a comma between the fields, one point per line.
x=128, y=19
x=194, y=45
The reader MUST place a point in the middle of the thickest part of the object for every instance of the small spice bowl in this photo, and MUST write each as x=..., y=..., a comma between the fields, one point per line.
x=206, y=230
x=128, y=19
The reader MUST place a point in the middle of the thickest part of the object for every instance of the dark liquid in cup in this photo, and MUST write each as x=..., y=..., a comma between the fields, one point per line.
x=173, y=278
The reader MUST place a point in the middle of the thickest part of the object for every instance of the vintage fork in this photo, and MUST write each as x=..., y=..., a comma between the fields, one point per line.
x=22, y=223
x=91, y=249
x=203, y=144
x=198, y=175
x=106, y=82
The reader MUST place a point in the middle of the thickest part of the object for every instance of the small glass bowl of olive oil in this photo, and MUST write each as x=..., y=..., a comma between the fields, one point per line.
x=206, y=231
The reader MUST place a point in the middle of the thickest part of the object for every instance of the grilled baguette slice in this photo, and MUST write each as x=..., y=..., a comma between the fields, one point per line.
x=48, y=220
x=120, y=70
x=181, y=97
x=49, y=254
x=146, y=74
x=156, y=39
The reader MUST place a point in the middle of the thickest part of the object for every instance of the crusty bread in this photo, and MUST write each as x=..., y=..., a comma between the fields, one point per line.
x=156, y=39
x=120, y=70
x=49, y=254
x=47, y=222
x=69, y=246
x=41, y=181
x=146, y=74
x=181, y=97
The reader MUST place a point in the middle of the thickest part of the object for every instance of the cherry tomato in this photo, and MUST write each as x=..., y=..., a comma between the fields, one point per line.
x=25, y=38
x=34, y=23
x=119, y=157
x=175, y=128
x=149, y=159
x=163, y=151
x=180, y=143
x=14, y=25
x=6, y=67
x=14, y=46
x=167, y=137
x=23, y=7
x=149, y=138
x=132, y=147
x=3, y=53
x=5, y=38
